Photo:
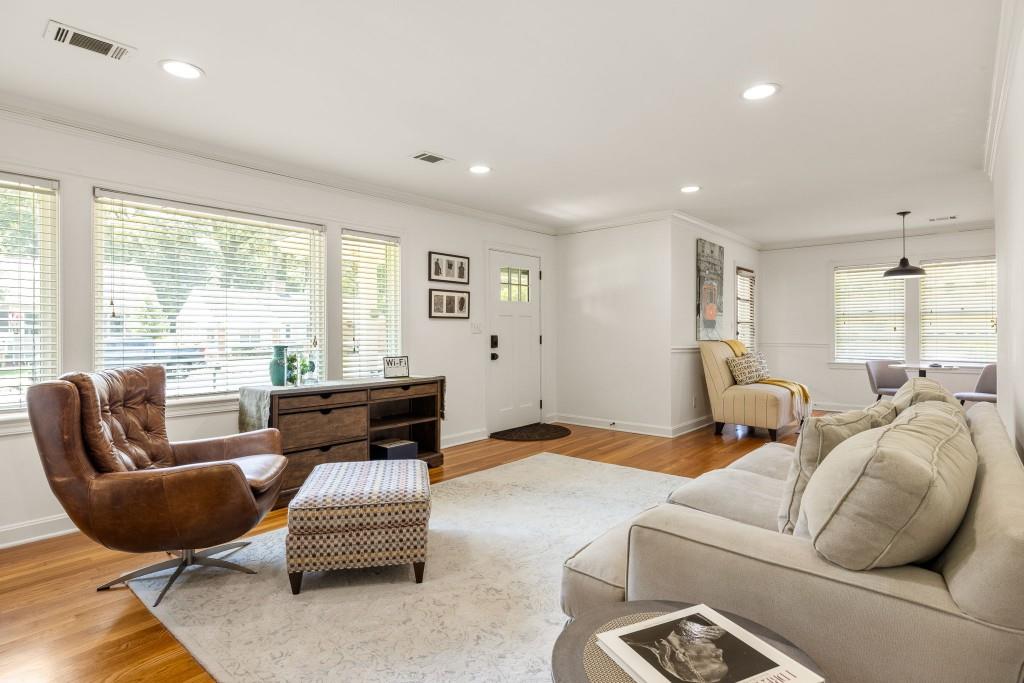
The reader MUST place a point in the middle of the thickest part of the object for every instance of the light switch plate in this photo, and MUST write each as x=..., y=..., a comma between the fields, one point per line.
x=476, y=328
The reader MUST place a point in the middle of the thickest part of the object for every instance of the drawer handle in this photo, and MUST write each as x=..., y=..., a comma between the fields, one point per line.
x=326, y=396
x=326, y=411
x=324, y=449
x=407, y=388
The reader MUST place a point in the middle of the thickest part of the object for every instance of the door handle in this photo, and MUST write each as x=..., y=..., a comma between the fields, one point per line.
x=494, y=356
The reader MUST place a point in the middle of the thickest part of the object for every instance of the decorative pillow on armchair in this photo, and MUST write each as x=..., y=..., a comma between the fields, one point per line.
x=748, y=368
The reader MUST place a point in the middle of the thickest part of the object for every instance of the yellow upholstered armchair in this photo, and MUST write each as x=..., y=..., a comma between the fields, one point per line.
x=764, y=406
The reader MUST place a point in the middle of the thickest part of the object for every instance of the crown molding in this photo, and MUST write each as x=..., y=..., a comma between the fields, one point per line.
x=68, y=121
x=1011, y=28
x=711, y=227
x=974, y=226
x=653, y=217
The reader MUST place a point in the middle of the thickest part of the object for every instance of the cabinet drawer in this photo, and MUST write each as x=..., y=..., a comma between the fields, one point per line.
x=404, y=391
x=300, y=430
x=300, y=464
x=329, y=398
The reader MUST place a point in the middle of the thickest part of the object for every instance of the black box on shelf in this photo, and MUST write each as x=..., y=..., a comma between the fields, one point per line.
x=394, y=449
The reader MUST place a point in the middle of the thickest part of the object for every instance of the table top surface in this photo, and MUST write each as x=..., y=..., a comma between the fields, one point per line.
x=915, y=365
x=341, y=384
x=567, y=657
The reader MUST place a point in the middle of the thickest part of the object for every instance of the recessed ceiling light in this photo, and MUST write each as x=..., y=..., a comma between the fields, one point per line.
x=181, y=69
x=761, y=91
x=689, y=189
x=480, y=169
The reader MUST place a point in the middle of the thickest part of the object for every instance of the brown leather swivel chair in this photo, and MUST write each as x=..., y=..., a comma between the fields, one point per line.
x=102, y=438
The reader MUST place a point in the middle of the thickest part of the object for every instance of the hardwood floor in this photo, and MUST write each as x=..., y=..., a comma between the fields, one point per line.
x=54, y=626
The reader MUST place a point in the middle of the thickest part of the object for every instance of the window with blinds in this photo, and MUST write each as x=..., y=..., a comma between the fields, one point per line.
x=371, y=302
x=205, y=293
x=958, y=311
x=870, y=314
x=28, y=286
x=746, y=329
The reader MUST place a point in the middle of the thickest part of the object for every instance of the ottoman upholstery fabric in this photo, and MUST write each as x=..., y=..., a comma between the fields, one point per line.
x=359, y=514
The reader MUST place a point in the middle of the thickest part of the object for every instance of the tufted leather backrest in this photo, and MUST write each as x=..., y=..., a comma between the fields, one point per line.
x=123, y=422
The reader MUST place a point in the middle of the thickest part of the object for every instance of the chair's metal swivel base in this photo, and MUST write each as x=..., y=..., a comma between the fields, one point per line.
x=185, y=559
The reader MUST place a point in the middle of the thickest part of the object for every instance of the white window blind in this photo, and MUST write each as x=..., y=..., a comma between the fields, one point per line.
x=746, y=328
x=870, y=317
x=958, y=311
x=28, y=286
x=371, y=302
x=204, y=293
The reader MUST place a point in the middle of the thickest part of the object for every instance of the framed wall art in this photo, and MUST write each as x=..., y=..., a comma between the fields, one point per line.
x=449, y=303
x=710, y=267
x=448, y=268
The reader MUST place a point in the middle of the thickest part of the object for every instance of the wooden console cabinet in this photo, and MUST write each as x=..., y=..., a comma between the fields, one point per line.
x=336, y=421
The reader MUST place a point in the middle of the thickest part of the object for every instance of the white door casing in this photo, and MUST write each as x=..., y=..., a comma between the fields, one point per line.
x=513, y=371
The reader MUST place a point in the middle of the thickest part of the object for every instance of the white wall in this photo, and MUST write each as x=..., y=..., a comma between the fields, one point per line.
x=613, y=327
x=1008, y=180
x=82, y=160
x=627, y=312
x=689, y=398
x=795, y=311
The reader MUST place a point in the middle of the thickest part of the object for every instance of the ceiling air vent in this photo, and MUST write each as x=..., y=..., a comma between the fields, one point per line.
x=430, y=157
x=73, y=37
x=939, y=219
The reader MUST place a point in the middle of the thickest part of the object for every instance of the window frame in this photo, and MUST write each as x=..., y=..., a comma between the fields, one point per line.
x=990, y=258
x=752, y=276
x=315, y=297
x=52, y=185
x=850, y=265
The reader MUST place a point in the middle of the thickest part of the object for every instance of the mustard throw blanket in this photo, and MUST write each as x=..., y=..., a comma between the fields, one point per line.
x=795, y=388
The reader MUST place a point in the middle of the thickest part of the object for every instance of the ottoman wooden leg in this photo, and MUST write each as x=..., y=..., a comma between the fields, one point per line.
x=417, y=568
x=295, y=578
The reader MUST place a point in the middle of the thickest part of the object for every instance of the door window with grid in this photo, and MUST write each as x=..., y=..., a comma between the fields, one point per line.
x=746, y=328
x=205, y=293
x=371, y=302
x=28, y=286
x=515, y=285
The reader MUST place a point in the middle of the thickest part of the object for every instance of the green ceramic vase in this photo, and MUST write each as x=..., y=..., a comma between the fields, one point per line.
x=277, y=365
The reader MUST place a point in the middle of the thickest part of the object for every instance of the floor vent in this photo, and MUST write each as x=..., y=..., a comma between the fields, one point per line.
x=430, y=157
x=73, y=37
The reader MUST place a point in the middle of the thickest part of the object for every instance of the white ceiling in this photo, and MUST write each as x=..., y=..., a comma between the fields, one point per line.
x=588, y=110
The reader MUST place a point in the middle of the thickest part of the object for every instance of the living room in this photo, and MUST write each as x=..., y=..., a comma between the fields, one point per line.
x=507, y=263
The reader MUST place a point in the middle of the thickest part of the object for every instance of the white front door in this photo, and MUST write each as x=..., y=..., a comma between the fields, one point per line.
x=513, y=377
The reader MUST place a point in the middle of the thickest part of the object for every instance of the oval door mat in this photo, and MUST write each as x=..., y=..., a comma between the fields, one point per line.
x=535, y=432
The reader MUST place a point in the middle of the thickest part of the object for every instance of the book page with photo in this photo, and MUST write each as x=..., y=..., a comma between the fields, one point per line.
x=699, y=645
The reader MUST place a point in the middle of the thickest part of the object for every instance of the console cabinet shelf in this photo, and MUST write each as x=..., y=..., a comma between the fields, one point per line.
x=336, y=421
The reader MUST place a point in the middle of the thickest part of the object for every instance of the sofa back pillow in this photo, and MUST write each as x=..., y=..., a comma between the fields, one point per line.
x=818, y=437
x=920, y=390
x=883, y=410
x=893, y=495
x=748, y=368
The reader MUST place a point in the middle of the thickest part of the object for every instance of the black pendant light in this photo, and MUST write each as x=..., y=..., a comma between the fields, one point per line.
x=904, y=269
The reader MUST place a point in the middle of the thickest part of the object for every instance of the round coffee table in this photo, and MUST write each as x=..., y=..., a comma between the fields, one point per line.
x=577, y=658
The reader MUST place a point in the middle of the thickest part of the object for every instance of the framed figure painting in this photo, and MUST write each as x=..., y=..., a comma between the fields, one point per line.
x=449, y=303
x=448, y=268
x=710, y=269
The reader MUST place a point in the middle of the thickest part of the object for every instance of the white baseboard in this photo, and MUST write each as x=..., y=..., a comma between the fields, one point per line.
x=838, y=407
x=449, y=440
x=635, y=427
x=691, y=425
x=20, y=533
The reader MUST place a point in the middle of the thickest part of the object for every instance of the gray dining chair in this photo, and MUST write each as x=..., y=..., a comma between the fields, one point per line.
x=985, y=391
x=884, y=379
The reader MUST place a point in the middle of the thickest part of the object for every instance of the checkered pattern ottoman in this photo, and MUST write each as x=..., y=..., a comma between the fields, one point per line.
x=359, y=514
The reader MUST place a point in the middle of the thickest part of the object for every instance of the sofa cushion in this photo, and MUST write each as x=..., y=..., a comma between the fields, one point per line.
x=770, y=460
x=736, y=494
x=892, y=495
x=596, y=573
x=919, y=390
x=883, y=410
x=819, y=436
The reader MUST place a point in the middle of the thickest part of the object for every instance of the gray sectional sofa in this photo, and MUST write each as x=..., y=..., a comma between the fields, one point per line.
x=955, y=616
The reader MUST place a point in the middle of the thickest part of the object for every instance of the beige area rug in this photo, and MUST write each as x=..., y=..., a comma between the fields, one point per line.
x=487, y=610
